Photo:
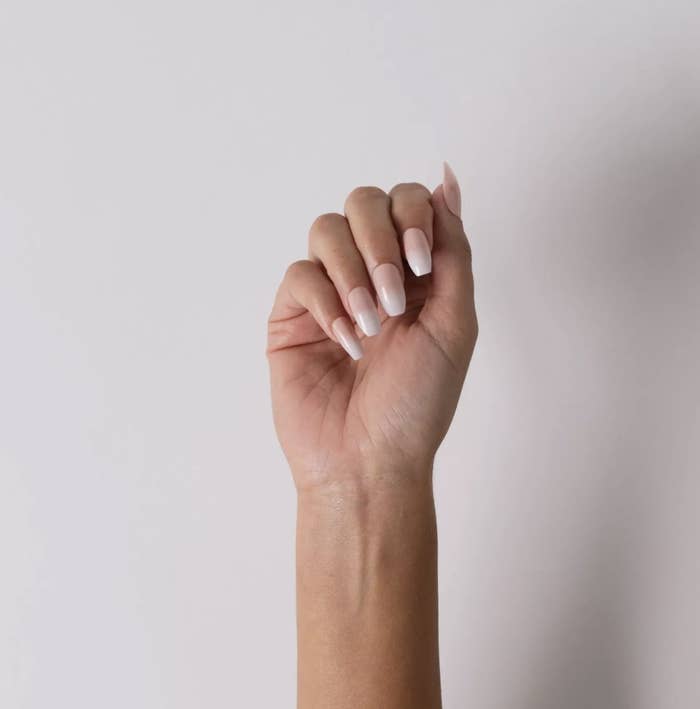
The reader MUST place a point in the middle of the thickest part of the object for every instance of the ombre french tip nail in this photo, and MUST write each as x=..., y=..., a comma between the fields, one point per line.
x=451, y=191
x=344, y=331
x=389, y=286
x=364, y=311
x=417, y=251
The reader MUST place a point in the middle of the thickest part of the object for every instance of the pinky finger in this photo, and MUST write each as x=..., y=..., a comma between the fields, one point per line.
x=305, y=288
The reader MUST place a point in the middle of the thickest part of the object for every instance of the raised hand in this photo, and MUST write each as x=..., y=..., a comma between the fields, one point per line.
x=369, y=339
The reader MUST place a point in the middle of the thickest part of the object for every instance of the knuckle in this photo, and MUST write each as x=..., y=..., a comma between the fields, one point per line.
x=415, y=189
x=325, y=224
x=362, y=194
x=298, y=269
x=411, y=206
x=413, y=214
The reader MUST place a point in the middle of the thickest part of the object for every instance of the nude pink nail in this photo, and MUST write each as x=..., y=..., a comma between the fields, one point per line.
x=417, y=250
x=344, y=331
x=450, y=188
x=364, y=311
x=389, y=286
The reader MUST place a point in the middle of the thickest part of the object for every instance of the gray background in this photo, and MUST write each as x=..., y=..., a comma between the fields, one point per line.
x=160, y=164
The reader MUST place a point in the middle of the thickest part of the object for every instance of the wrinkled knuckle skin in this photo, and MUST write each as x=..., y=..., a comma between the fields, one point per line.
x=298, y=269
x=325, y=224
x=417, y=214
x=415, y=188
x=363, y=194
x=279, y=334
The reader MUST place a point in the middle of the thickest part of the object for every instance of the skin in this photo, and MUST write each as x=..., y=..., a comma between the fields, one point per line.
x=360, y=438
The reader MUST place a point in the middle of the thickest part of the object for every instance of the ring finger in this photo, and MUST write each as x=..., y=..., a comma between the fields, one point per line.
x=332, y=245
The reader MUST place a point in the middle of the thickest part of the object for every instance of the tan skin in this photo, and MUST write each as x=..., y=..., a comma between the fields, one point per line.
x=360, y=437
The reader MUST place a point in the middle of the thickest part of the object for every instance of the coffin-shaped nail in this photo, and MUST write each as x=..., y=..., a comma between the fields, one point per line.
x=450, y=188
x=389, y=286
x=417, y=250
x=344, y=331
x=364, y=311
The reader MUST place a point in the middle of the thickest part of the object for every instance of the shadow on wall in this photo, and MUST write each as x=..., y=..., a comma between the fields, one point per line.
x=639, y=268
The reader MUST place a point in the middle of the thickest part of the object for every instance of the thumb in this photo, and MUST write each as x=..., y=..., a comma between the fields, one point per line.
x=449, y=312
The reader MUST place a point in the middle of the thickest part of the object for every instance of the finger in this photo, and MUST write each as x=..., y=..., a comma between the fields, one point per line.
x=413, y=216
x=449, y=310
x=307, y=298
x=331, y=244
x=452, y=274
x=368, y=211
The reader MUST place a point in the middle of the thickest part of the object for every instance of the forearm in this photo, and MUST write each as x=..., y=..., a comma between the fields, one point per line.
x=350, y=412
x=367, y=596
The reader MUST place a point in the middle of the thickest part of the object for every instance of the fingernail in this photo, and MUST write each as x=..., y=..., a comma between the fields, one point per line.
x=343, y=330
x=387, y=280
x=364, y=310
x=417, y=250
x=450, y=188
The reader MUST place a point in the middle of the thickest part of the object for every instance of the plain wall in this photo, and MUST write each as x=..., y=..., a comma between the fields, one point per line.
x=160, y=164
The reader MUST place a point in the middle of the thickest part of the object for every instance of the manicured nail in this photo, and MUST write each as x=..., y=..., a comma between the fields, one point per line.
x=417, y=250
x=364, y=310
x=389, y=286
x=450, y=188
x=343, y=330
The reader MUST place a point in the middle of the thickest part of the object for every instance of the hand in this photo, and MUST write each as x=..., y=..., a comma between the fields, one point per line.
x=353, y=403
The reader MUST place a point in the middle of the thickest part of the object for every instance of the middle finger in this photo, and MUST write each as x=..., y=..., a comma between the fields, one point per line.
x=368, y=211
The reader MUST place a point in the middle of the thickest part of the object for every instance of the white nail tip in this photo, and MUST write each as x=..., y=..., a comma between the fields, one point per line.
x=346, y=336
x=364, y=311
x=389, y=287
x=419, y=268
x=369, y=325
x=393, y=303
x=417, y=250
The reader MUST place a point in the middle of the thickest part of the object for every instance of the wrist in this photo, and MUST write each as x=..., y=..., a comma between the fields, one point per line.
x=351, y=529
x=369, y=485
x=367, y=585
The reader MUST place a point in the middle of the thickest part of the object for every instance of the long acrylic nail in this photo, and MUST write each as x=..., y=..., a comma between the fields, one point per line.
x=343, y=330
x=417, y=250
x=389, y=285
x=364, y=311
x=450, y=188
